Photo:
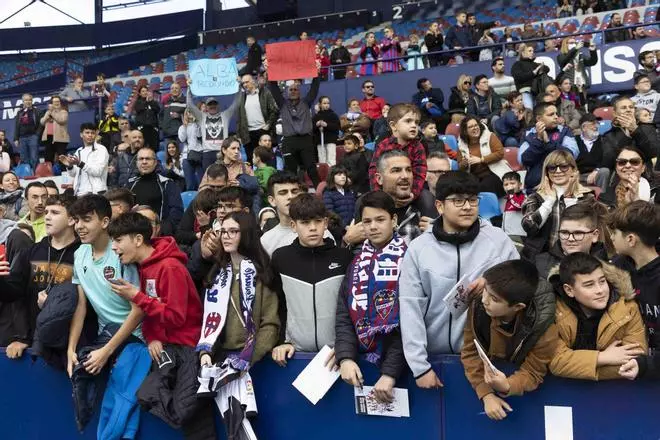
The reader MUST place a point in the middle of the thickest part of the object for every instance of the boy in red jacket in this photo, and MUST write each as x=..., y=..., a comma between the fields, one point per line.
x=403, y=120
x=167, y=294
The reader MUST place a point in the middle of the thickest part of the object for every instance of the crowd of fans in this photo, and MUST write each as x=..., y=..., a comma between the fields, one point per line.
x=114, y=270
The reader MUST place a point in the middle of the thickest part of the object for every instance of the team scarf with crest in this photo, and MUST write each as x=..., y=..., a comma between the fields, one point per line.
x=373, y=294
x=216, y=304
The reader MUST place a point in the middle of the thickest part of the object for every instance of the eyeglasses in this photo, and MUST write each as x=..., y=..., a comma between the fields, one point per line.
x=635, y=162
x=368, y=87
x=459, y=202
x=227, y=208
x=437, y=172
x=577, y=235
x=562, y=168
x=230, y=233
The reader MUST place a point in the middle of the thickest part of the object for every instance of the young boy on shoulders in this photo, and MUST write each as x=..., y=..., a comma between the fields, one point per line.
x=96, y=265
x=312, y=269
x=598, y=320
x=636, y=228
x=167, y=294
x=513, y=321
x=403, y=120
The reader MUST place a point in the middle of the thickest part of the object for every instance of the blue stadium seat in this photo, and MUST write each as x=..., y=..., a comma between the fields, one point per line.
x=371, y=146
x=450, y=140
x=604, y=126
x=489, y=206
x=187, y=197
x=161, y=156
x=23, y=170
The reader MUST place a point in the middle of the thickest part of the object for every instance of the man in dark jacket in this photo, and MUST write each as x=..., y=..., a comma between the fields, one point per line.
x=257, y=114
x=24, y=289
x=430, y=100
x=339, y=55
x=614, y=32
x=590, y=159
x=478, y=29
x=626, y=131
x=171, y=116
x=484, y=103
x=161, y=193
x=298, y=145
x=459, y=35
x=25, y=132
x=253, y=64
x=126, y=159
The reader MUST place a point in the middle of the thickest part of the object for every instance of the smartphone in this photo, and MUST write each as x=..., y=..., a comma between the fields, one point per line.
x=114, y=281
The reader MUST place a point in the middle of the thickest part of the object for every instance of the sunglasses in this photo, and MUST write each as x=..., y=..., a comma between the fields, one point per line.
x=562, y=168
x=467, y=83
x=635, y=162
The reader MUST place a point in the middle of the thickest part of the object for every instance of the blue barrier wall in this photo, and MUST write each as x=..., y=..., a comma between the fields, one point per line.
x=35, y=403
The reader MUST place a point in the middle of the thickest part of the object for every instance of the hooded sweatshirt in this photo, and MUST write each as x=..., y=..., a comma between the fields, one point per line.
x=427, y=327
x=168, y=296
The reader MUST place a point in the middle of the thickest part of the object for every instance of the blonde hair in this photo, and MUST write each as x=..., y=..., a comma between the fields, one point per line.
x=522, y=48
x=459, y=85
x=564, y=45
x=561, y=157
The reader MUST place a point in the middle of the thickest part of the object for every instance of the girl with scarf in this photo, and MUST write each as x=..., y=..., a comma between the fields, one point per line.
x=354, y=121
x=11, y=196
x=367, y=317
x=241, y=322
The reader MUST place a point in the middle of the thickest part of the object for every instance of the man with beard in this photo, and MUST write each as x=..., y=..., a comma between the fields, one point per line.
x=394, y=175
x=590, y=159
x=648, y=63
x=617, y=34
x=156, y=191
x=126, y=163
x=171, y=115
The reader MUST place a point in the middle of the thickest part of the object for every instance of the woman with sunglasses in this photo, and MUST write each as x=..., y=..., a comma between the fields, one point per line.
x=240, y=322
x=630, y=182
x=559, y=188
x=460, y=94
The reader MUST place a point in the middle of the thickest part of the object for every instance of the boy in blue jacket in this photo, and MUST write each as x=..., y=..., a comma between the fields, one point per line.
x=546, y=137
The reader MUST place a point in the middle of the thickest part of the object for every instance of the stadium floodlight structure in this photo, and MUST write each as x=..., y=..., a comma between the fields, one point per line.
x=44, y=2
x=130, y=4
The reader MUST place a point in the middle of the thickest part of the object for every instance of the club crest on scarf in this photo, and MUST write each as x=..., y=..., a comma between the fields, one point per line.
x=373, y=293
x=212, y=323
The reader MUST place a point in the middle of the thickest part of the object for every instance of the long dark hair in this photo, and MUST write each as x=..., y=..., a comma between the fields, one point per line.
x=249, y=247
x=176, y=158
x=464, y=130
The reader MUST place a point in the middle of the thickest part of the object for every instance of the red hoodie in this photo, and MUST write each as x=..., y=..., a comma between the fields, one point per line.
x=168, y=297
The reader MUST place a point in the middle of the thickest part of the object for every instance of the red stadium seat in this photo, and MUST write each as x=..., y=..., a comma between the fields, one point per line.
x=340, y=153
x=604, y=113
x=322, y=169
x=454, y=130
x=511, y=157
x=321, y=188
x=44, y=169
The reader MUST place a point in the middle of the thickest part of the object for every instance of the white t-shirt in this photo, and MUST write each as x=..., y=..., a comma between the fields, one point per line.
x=255, y=118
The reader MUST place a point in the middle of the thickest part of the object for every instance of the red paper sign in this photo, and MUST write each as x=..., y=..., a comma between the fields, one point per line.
x=291, y=60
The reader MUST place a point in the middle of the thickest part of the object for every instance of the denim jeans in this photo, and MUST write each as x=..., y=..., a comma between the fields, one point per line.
x=192, y=172
x=28, y=148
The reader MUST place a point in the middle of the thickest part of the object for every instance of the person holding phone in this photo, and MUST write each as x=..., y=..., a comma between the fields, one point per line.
x=89, y=164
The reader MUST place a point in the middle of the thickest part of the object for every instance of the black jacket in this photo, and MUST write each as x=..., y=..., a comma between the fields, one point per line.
x=523, y=72
x=185, y=232
x=433, y=42
x=588, y=161
x=456, y=103
x=30, y=273
x=616, y=34
x=434, y=96
x=646, y=282
x=331, y=132
x=170, y=390
x=494, y=105
x=536, y=319
x=545, y=261
x=253, y=63
x=641, y=139
x=32, y=126
x=358, y=170
x=146, y=112
x=392, y=361
x=340, y=55
x=171, y=116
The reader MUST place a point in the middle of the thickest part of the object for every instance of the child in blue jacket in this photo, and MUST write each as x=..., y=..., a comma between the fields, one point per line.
x=337, y=197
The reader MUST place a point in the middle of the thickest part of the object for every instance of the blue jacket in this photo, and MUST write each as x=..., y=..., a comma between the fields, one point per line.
x=120, y=414
x=459, y=36
x=508, y=125
x=342, y=205
x=533, y=151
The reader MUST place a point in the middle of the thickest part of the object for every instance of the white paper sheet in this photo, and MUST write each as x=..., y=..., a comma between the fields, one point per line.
x=366, y=403
x=458, y=298
x=316, y=379
x=558, y=423
x=484, y=356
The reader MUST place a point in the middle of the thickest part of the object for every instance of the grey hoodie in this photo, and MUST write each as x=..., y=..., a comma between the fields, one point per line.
x=431, y=268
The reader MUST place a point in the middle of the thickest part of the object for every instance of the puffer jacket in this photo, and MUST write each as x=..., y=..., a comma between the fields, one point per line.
x=531, y=346
x=341, y=204
x=126, y=167
x=494, y=105
x=171, y=116
x=621, y=321
x=311, y=278
x=170, y=392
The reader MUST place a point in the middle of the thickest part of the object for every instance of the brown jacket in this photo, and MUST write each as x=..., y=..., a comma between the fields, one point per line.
x=266, y=323
x=360, y=125
x=60, y=125
x=621, y=322
x=534, y=365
